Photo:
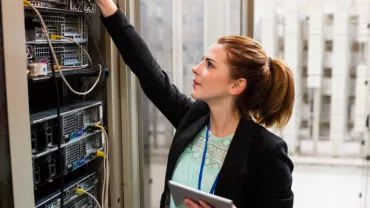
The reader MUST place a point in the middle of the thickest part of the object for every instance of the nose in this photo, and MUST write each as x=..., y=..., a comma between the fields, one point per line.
x=196, y=68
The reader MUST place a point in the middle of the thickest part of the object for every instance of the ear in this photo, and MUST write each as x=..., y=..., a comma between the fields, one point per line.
x=238, y=86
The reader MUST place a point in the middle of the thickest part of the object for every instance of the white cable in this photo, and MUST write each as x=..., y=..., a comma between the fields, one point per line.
x=105, y=191
x=93, y=197
x=56, y=60
x=108, y=174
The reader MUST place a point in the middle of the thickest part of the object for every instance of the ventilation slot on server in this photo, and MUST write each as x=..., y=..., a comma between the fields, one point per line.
x=82, y=148
x=70, y=123
x=80, y=120
x=72, y=153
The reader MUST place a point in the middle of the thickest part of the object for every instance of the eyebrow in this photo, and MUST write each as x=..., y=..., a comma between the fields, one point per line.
x=208, y=59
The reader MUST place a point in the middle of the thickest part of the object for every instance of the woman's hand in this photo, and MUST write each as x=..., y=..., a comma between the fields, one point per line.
x=107, y=7
x=191, y=204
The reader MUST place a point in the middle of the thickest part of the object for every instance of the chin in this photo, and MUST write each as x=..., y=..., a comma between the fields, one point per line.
x=195, y=96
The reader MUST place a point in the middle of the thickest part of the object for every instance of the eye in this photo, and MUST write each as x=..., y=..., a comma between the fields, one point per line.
x=209, y=64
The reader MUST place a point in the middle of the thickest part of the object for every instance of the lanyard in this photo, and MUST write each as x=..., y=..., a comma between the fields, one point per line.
x=202, y=166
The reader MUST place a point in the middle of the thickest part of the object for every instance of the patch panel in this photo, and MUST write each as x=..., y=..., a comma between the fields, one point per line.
x=65, y=5
x=71, y=199
x=74, y=155
x=76, y=121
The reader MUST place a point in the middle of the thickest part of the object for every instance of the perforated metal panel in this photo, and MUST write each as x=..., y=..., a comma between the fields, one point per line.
x=71, y=26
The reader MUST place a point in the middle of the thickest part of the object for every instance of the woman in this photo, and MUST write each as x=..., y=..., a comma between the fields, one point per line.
x=238, y=90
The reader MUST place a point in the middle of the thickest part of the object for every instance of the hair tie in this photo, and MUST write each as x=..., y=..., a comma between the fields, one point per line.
x=271, y=65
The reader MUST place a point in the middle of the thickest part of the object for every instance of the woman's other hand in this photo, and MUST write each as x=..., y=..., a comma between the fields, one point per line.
x=107, y=7
x=191, y=204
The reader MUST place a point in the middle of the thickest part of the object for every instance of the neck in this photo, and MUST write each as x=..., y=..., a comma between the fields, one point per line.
x=223, y=119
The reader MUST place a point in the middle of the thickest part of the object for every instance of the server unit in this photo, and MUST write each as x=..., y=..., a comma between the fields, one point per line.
x=71, y=199
x=76, y=121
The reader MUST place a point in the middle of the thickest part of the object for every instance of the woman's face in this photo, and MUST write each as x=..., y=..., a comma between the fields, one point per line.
x=212, y=76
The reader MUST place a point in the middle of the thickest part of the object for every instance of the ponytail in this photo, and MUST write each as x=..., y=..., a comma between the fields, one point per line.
x=277, y=107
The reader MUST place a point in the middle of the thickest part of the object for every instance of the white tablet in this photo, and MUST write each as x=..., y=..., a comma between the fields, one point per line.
x=180, y=192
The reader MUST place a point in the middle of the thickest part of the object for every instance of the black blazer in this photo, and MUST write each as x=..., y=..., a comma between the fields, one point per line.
x=257, y=172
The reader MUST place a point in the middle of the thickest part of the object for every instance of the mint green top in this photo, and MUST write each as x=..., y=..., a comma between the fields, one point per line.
x=188, y=165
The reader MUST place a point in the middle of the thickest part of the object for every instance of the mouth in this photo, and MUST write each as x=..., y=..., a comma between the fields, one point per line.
x=195, y=83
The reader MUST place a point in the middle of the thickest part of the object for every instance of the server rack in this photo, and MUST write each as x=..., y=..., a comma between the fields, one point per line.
x=63, y=134
x=25, y=96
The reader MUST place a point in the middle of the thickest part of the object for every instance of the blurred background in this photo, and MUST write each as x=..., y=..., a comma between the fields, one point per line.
x=326, y=42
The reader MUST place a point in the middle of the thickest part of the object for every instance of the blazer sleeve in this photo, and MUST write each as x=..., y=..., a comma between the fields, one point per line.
x=153, y=79
x=275, y=189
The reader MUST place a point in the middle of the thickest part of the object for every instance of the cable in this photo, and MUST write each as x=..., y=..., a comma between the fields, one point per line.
x=82, y=191
x=105, y=194
x=54, y=55
x=105, y=191
x=59, y=137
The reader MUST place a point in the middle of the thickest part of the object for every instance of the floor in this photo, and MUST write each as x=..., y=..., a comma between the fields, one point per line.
x=314, y=186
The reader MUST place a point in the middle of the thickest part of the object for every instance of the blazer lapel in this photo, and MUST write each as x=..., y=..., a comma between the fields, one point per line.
x=237, y=154
x=181, y=141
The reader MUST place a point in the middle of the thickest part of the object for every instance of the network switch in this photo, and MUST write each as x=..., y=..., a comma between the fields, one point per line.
x=71, y=198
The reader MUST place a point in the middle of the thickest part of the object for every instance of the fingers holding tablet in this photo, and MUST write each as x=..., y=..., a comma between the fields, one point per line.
x=192, y=204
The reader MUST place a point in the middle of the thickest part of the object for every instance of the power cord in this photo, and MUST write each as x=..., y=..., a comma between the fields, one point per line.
x=59, y=136
x=54, y=54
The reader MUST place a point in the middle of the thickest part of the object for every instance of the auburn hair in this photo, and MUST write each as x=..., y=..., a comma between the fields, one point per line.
x=269, y=95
